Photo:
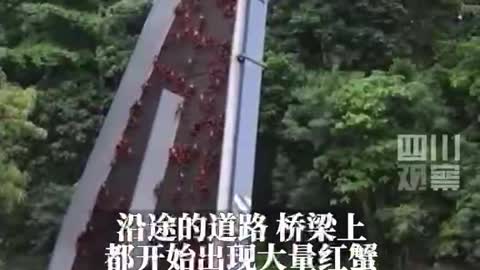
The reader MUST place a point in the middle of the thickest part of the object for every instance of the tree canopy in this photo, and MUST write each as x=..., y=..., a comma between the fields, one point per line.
x=343, y=80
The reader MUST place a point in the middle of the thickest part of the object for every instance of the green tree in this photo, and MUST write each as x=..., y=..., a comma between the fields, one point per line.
x=362, y=34
x=460, y=233
x=15, y=131
x=73, y=53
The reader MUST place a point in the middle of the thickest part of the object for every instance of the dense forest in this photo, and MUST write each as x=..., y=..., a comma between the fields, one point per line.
x=343, y=79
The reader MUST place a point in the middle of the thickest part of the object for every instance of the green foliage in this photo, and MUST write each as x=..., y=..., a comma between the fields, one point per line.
x=354, y=96
x=279, y=78
x=75, y=67
x=460, y=233
x=405, y=222
x=361, y=35
x=48, y=203
x=343, y=80
x=15, y=128
x=73, y=53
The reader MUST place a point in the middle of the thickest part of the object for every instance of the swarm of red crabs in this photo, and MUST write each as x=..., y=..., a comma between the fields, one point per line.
x=190, y=26
x=195, y=156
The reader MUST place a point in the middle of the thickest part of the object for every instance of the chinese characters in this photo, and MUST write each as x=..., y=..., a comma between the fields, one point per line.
x=227, y=241
x=417, y=162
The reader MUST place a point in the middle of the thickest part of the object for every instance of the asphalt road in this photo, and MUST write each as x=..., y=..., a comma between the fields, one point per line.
x=183, y=188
